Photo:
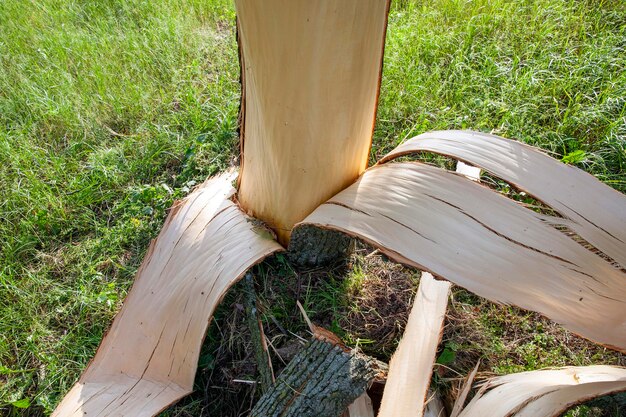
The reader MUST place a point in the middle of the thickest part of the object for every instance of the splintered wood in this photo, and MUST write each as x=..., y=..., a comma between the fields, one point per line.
x=544, y=393
x=149, y=356
x=311, y=73
x=592, y=209
x=361, y=407
x=412, y=363
x=457, y=229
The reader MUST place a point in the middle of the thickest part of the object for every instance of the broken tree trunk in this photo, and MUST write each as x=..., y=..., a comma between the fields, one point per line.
x=311, y=76
x=321, y=380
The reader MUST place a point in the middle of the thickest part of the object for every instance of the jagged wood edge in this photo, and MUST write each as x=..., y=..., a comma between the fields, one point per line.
x=592, y=265
x=544, y=393
x=122, y=389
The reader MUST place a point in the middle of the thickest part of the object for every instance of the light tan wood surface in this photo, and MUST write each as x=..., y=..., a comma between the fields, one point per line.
x=592, y=209
x=544, y=393
x=311, y=74
x=148, y=358
x=412, y=363
x=457, y=229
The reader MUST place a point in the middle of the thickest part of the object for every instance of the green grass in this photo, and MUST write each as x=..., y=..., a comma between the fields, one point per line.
x=108, y=111
x=111, y=109
x=550, y=73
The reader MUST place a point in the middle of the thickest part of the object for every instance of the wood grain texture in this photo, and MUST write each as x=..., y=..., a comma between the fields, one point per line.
x=592, y=209
x=457, y=229
x=311, y=80
x=149, y=356
x=544, y=393
x=412, y=363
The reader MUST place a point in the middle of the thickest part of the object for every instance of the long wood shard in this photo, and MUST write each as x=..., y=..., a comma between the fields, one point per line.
x=311, y=80
x=457, y=229
x=361, y=407
x=467, y=386
x=596, y=211
x=544, y=393
x=411, y=365
x=149, y=356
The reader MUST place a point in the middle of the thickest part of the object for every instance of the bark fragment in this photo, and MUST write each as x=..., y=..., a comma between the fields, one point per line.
x=321, y=380
x=259, y=344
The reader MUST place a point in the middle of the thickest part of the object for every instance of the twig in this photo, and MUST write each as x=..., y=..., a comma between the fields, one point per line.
x=263, y=359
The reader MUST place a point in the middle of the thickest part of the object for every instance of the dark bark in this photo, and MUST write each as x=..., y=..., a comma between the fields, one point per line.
x=321, y=380
x=312, y=246
x=263, y=362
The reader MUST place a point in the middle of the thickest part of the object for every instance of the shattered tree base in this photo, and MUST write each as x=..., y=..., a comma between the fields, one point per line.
x=322, y=380
x=149, y=356
x=416, y=214
x=443, y=223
